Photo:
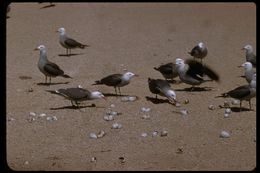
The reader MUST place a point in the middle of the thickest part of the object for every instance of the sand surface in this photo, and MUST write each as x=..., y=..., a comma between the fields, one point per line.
x=136, y=37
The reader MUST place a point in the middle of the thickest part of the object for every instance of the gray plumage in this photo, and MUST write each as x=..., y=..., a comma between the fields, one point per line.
x=191, y=72
x=116, y=80
x=200, y=51
x=249, y=72
x=161, y=87
x=244, y=92
x=68, y=42
x=48, y=68
x=76, y=95
x=250, y=56
x=169, y=70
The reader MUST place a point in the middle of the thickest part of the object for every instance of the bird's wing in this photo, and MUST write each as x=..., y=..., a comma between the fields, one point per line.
x=72, y=43
x=210, y=73
x=112, y=80
x=166, y=68
x=239, y=92
x=195, y=69
x=53, y=69
x=74, y=93
x=195, y=51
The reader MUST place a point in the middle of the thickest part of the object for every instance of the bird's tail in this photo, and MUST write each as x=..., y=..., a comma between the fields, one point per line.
x=66, y=76
x=82, y=46
x=189, y=53
x=155, y=68
x=222, y=95
x=98, y=82
x=210, y=73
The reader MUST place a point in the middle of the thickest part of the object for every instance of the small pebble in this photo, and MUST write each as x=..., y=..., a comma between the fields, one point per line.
x=112, y=106
x=146, y=117
x=30, y=90
x=116, y=126
x=79, y=86
x=164, y=133
x=108, y=117
x=132, y=98
x=11, y=119
x=226, y=115
x=54, y=118
x=32, y=114
x=124, y=99
x=224, y=134
x=31, y=119
x=226, y=104
x=186, y=101
x=101, y=134
x=93, y=159
x=184, y=112
x=42, y=115
x=143, y=109
x=26, y=162
x=155, y=133
x=93, y=136
x=144, y=135
x=228, y=111
x=235, y=102
x=211, y=107
x=122, y=159
x=48, y=118
x=177, y=104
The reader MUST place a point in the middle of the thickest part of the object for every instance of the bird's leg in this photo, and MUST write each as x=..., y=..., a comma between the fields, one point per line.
x=119, y=91
x=191, y=89
x=240, y=105
x=156, y=96
x=115, y=91
x=77, y=103
x=249, y=104
x=50, y=80
x=45, y=79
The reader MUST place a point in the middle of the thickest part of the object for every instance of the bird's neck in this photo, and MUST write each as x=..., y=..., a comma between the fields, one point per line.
x=126, y=78
x=249, y=51
x=43, y=55
x=253, y=83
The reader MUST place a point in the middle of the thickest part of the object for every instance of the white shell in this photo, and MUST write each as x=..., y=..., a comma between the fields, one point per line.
x=32, y=114
x=93, y=159
x=164, y=133
x=42, y=115
x=108, y=117
x=235, y=102
x=54, y=118
x=48, y=118
x=224, y=134
x=113, y=113
x=31, y=119
x=101, y=134
x=143, y=109
x=226, y=115
x=146, y=117
x=228, y=111
x=124, y=99
x=155, y=133
x=93, y=135
x=116, y=126
x=186, y=101
x=144, y=134
x=211, y=107
x=177, y=104
x=11, y=119
x=131, y=98
x=112, y=106
x=26, y=162
x=184, y=112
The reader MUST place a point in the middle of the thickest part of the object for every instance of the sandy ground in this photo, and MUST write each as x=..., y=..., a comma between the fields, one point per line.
x=136, y=37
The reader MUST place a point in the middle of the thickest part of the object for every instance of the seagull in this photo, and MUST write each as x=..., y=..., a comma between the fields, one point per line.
x=49, y=69
x=244, y=92
x=168, y=70
x=191, y=72
x=68, y=42
x=249, y=72
x=250, y=56
x=116, y=80
x=163, y=88
x=76, y=95
x=199, y=51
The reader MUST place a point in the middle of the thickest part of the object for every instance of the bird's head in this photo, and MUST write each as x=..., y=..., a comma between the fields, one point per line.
x=41, y=47
x=170, y=94
x=130, y=75
x=98, y=95
x=179, y=62
x=201, y=45
x=247, y=48
x=247, y=65
x=61, y=30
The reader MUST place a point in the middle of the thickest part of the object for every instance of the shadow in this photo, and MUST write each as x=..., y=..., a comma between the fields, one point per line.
x=237, y=109
x=243, y=76
x=113, y=95
x=195, y=89
x=7, y=17
x=47, y=6
x=174, y=81
x=72, y=54
x=157, y=101
x=73, y=107
x=48, y=84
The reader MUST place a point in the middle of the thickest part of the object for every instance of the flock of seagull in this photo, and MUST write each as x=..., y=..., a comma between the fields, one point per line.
x=189, y=71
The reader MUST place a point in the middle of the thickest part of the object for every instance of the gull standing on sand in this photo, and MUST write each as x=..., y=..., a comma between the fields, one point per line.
x=68, y=42
x=116, y=80
x=191, y=72
x=249, y=72
x=163, y=88
x=250, y=56
x=48, y=68
x=169, y=70
x=200, y=51
x=76, y=95
x=245, y=92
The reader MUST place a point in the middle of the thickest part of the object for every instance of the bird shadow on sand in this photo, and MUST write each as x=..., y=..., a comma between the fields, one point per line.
x=72, y=54
x=196, y=89
x=237, y=109
x=48, y=6
x=174, y=81
x=75, y=107
x=113, y=95
x=48, y=84
x=157, y=101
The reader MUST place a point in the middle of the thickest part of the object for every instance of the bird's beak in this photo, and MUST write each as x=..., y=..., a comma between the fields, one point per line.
x=136, y=75
x=35, y=49
x=240, y=66
x=104, y=98
x=56, y=31
x=243, y=48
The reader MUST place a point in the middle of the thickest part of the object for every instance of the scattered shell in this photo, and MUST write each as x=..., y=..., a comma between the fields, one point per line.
x=228, y=111
x=79, y=86
x=143, y=109
x=146, y=117
x=114, y=113
x=226, y=115
x=32, y=114
x=122, y=159
x=224, y=134
x=184, y=112
x=112, y=106
x=164, y=133
x=144, y=134
x=226, y=104
x=26, y=162
x=54, y=118
x=48, y=118
x=93, y=136
x=235, y=102
x=177, y=104
x=132, y=98
x=30, y=90
x=31, y=119
x=10, y=119
x=108, y=117
x=124, y=99
x=116, y=126
x=93, y=159
x=179, y=150
x=101, y=134
x=155, y=133
x=211, y=107
x=42, y=115
x=186, y=101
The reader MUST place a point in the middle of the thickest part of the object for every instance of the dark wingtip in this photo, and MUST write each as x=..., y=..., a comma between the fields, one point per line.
x=66, y=76
x=97, y=82
x=155, y=68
